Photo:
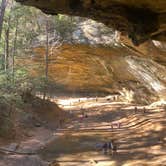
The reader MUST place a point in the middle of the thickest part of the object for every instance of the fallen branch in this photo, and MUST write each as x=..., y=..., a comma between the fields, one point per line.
x=6, y=151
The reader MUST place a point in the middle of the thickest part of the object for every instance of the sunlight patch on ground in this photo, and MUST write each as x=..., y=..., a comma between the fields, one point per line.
x=86, y=159
x=138, y=139
x=71, y=101
x=86, y=102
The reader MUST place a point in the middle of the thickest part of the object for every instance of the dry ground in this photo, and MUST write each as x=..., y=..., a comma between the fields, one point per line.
x=141, y=138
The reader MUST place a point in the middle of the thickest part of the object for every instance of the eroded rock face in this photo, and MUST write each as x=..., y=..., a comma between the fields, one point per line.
x=140, y=20
x=95, y=59
x=80, y=68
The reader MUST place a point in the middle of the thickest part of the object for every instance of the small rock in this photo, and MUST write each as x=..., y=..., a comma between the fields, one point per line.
x=93, y=161
x=28, y=134
x=37, y=124
x=12, y=147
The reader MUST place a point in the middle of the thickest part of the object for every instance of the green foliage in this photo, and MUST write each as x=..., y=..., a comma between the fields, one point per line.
x=21, y=75
x=29, y=24
x=40, y=83
x=6, y=123
x=65, y=25
x=25, y=26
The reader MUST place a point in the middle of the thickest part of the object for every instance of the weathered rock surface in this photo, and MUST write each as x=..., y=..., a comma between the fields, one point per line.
x=96, y=59
x=139, y=19
x=81, y=68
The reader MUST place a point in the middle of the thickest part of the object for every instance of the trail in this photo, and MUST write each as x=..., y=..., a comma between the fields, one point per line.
x=141, y=138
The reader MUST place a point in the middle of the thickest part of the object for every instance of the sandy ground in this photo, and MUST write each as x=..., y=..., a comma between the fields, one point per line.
x=141, y=138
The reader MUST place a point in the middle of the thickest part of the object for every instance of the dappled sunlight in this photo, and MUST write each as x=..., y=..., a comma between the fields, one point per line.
x=85, y=102
x=128, y=95
x=140, y=137
x=78, y=92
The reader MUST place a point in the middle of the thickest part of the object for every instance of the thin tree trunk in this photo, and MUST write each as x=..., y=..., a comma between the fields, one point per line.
x=3, y=56
x=7, y=32
x=2, y=12
x=47, y=51
x=14, y=49
x=46, y=57
x=6, y=49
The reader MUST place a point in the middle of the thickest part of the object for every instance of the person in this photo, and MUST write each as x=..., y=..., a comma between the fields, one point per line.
x=105, y=147
x=86, y=116
x=81, y=118
x=113, y=147
x=98, y=146
x=144, y=110
x=112, y=126
x=136, y=109
x=61, y=121
x=119, y=125
x=110, y=146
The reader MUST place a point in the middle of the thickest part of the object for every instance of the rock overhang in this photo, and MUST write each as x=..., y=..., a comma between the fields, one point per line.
x=140, y=20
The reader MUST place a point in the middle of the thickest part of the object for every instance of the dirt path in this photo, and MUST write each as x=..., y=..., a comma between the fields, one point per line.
x=141, y=138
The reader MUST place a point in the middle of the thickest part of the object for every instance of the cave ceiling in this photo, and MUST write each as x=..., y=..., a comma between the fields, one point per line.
x=140, y=20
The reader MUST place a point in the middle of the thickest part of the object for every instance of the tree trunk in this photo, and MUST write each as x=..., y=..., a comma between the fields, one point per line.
x=7, y=32
x=47, y=51
x=46, y=57
x=14, y=49
x=2, y=12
